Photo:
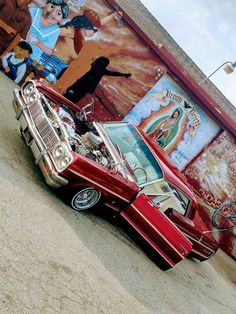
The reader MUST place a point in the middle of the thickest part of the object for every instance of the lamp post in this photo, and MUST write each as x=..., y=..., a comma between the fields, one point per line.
x=228, y=67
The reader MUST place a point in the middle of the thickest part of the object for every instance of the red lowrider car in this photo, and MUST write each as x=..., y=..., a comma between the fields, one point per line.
x=114, y=163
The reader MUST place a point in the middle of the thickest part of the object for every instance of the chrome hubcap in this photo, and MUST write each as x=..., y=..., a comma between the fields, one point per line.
x=85, y=199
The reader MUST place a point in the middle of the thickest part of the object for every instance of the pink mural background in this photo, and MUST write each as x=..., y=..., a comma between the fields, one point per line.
x=213, y=176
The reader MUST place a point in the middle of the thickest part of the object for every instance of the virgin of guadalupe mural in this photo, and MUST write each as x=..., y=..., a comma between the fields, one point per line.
x=165, y=129
x=174, y=121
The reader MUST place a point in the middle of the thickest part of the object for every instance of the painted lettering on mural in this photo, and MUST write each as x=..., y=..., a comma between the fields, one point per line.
x=174, y=121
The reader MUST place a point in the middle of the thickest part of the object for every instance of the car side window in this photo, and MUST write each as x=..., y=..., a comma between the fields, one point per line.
x=185, y=202
x=165, y=196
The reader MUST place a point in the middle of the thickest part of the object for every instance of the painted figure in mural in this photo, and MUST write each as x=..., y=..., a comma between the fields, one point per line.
x=14, y=63
x=44, y=31
x=89, y=82
x=15, y=21
x=190, y=135
x=166, y=128
x=72, y=35
x=69, y=43
x=81, y=52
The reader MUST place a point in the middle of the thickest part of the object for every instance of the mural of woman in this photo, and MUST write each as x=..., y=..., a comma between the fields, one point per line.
x=74, y=32
x=79, y=53
x=165, y=129
x=44, y=30
x=72, y=35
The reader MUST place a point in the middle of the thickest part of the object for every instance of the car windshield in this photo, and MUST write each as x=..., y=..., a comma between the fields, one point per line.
x=139, y=159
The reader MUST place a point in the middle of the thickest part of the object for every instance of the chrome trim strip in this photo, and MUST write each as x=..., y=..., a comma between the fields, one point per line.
x=205, y=256
x=99, y=185
x=158, y=231
x=156, y=249
x=172, y=265
x=173, y=224
x=199, y=242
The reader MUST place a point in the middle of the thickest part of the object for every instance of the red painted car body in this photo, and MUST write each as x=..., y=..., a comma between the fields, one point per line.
x=115, y=163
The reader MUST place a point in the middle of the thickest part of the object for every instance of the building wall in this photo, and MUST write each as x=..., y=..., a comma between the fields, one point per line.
x=213, y=172
x=196, y=127
x=145, y=20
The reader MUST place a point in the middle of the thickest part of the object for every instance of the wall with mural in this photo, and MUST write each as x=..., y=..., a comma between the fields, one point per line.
x=213, y=176
x=174, y=121
x=87, y=49
x=66, y=38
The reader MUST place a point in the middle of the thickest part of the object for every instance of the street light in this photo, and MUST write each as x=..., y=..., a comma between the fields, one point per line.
x=228, y=67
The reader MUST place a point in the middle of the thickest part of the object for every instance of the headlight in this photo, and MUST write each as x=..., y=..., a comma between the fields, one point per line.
x=58, y=151
x=28, y=89
x=32, y=98
x=64, y=161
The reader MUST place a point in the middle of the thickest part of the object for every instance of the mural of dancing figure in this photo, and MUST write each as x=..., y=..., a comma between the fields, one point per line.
x=80, y=51
x=89, y=82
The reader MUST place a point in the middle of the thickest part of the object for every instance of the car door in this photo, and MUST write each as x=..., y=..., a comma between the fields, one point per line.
x=157, y=229
x=204, y=245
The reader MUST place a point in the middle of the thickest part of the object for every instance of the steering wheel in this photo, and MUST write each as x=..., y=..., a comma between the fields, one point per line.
x=144, y=171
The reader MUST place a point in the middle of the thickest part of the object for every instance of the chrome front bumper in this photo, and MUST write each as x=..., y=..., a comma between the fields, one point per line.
x=42, y=158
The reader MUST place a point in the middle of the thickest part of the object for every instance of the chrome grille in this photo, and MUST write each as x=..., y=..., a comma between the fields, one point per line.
x=46, y=131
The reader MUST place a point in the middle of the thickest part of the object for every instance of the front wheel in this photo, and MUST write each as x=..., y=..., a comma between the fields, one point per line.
x=85, y=199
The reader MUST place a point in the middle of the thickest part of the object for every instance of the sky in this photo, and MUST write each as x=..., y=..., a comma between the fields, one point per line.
x=206, y=31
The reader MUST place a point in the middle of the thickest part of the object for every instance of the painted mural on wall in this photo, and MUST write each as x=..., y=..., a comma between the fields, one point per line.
x=215, y=170
x=60, y=43
x=174, y=121
x=87, y=45
x=213, y=176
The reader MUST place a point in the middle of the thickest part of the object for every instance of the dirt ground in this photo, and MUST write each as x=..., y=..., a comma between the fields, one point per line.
x=54, y=260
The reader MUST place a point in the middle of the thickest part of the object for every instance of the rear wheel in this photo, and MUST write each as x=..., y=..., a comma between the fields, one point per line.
x=85, y=198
